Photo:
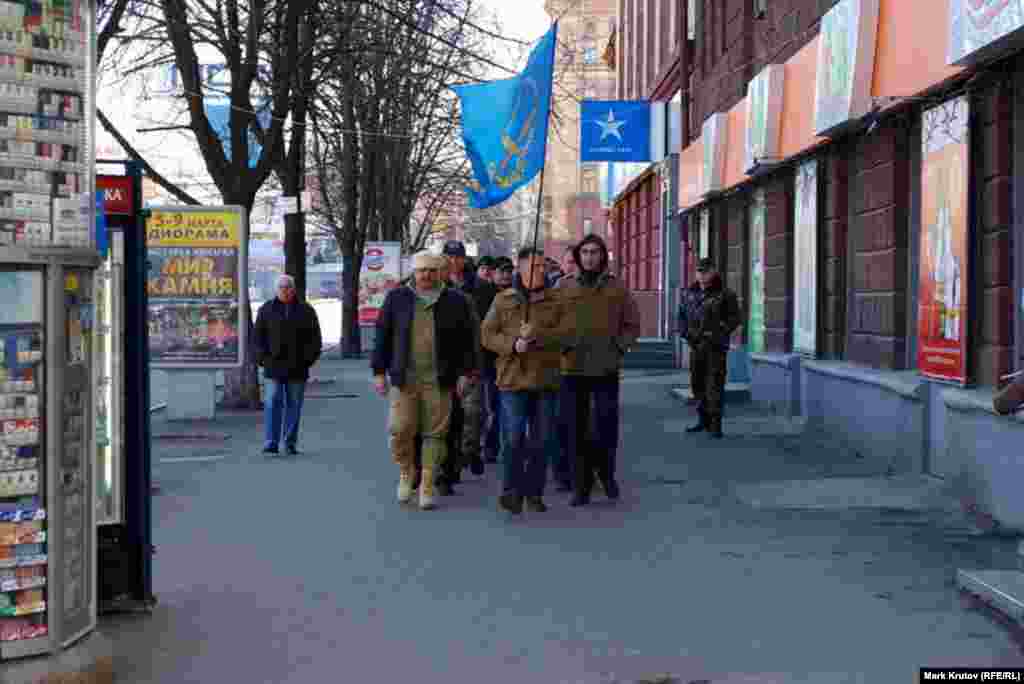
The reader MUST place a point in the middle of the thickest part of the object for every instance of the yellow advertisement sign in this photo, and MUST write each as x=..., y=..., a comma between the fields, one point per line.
x=193, y=229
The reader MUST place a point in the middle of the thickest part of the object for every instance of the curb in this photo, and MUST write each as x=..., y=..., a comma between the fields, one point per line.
x=192, y=436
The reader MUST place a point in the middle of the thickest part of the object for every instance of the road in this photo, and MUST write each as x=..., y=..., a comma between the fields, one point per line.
x=307, y=571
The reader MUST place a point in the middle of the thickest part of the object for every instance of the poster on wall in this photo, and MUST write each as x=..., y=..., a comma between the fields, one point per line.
x=846, y=64
x=755, y=331
x=805, y=306
x=979, y=29
x=704, y=238
x=196, y=265
x=942, y=306
x=381, y=272
x=713, y=137
x=764, y=112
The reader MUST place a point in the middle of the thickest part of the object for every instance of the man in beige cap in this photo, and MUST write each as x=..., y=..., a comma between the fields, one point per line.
x=425, y=347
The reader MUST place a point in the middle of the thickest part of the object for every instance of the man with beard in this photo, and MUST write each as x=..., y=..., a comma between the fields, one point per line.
x=521, y=328
x=711, y=314
x=469, y=409
x=427, y=338
x=603, y=323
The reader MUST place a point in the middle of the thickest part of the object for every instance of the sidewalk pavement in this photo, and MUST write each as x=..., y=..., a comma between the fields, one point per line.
x=305, y=570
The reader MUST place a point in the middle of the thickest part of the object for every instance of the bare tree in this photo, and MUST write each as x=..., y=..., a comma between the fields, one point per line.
x=388, y=153
x=268, y=51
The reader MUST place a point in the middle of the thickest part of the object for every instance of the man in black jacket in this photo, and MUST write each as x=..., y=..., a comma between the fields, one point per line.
x=288, y=343
x=426, y=345
x=710, y=315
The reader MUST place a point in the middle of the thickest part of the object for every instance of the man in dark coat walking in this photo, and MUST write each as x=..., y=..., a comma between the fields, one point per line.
x=288, y=342
x=710, y=315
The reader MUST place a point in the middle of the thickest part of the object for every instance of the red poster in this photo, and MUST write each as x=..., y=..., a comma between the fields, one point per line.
x=117, y=194
x=942, y=300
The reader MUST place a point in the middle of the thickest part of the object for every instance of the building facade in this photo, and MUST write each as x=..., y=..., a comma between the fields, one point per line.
x=852, y=168
x=571, y=201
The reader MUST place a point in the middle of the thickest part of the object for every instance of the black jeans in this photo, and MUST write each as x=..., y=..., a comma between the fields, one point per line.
x=597, y=455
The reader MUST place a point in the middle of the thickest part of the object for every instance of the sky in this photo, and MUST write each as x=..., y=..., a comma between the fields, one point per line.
x=522, y=19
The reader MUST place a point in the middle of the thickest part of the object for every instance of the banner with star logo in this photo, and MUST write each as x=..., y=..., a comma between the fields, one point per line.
x=618, y=131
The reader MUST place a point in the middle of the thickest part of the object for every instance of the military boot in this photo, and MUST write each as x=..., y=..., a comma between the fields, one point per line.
x=405, y=487
x=427, y=489
x=535, y=504
x=511, y=502
x=702, y=422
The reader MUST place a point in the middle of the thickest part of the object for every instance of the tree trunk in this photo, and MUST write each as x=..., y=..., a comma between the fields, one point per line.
x=351, y=334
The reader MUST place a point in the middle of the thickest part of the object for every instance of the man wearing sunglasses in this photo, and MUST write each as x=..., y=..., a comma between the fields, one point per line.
x=288, y=343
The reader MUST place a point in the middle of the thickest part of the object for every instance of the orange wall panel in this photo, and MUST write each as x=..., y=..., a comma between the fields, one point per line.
x=912, y=46
x=736, y=138
x=797, y=132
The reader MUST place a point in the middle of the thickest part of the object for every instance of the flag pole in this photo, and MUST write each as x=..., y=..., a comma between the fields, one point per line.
x=544, y=166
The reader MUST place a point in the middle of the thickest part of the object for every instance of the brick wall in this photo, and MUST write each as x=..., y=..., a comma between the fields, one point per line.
x=879, y=202
x=732, y=46
x=778, y=262
x=993, y=315
x=832, y=169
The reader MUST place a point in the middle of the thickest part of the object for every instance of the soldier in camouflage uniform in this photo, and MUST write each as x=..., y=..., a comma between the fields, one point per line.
x=710, y=314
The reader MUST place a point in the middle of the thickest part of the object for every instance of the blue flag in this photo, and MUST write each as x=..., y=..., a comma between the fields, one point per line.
x=505, y=126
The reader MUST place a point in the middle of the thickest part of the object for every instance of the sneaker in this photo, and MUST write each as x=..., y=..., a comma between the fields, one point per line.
x=535, y=504
x=579, y=500
x=271, y=451
x=699, y=427
x=513, y=503
x=611, y=489
x=291, y=451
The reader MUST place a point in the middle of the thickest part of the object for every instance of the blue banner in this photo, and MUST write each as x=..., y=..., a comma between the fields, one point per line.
x=615, y=131
x=505, y=124
x=102, y=237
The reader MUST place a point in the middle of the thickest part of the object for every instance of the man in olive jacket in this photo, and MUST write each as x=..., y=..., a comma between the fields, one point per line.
x=288, y=342
x=601, y=322
x=426, y=344
x=521, y=328
x=711, y=314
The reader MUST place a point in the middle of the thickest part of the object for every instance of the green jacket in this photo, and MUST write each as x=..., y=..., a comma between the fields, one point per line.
x=600, y=323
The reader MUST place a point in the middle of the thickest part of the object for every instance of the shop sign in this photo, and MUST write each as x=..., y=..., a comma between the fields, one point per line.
x=764, y=111
x=805, y=306
x=846, y=64
x=756, y=328
x=713, y=136
x=381, y=273
x=980, y=29
x=118, y=197
x=196, y=262
x=942, y=306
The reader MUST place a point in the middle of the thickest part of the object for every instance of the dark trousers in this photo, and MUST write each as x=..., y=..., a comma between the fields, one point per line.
x=707, y=382
x=530, y=439
x=597, y=455
x=492, y=411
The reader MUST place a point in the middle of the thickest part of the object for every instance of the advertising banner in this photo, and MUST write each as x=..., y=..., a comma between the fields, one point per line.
x=979, y=28
x=846, y=64
x=805, y=308
x=755, y=333
x=764, y=115
x=196, y=265
x=942, y=307
x=381, y=272
x=615, y=130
